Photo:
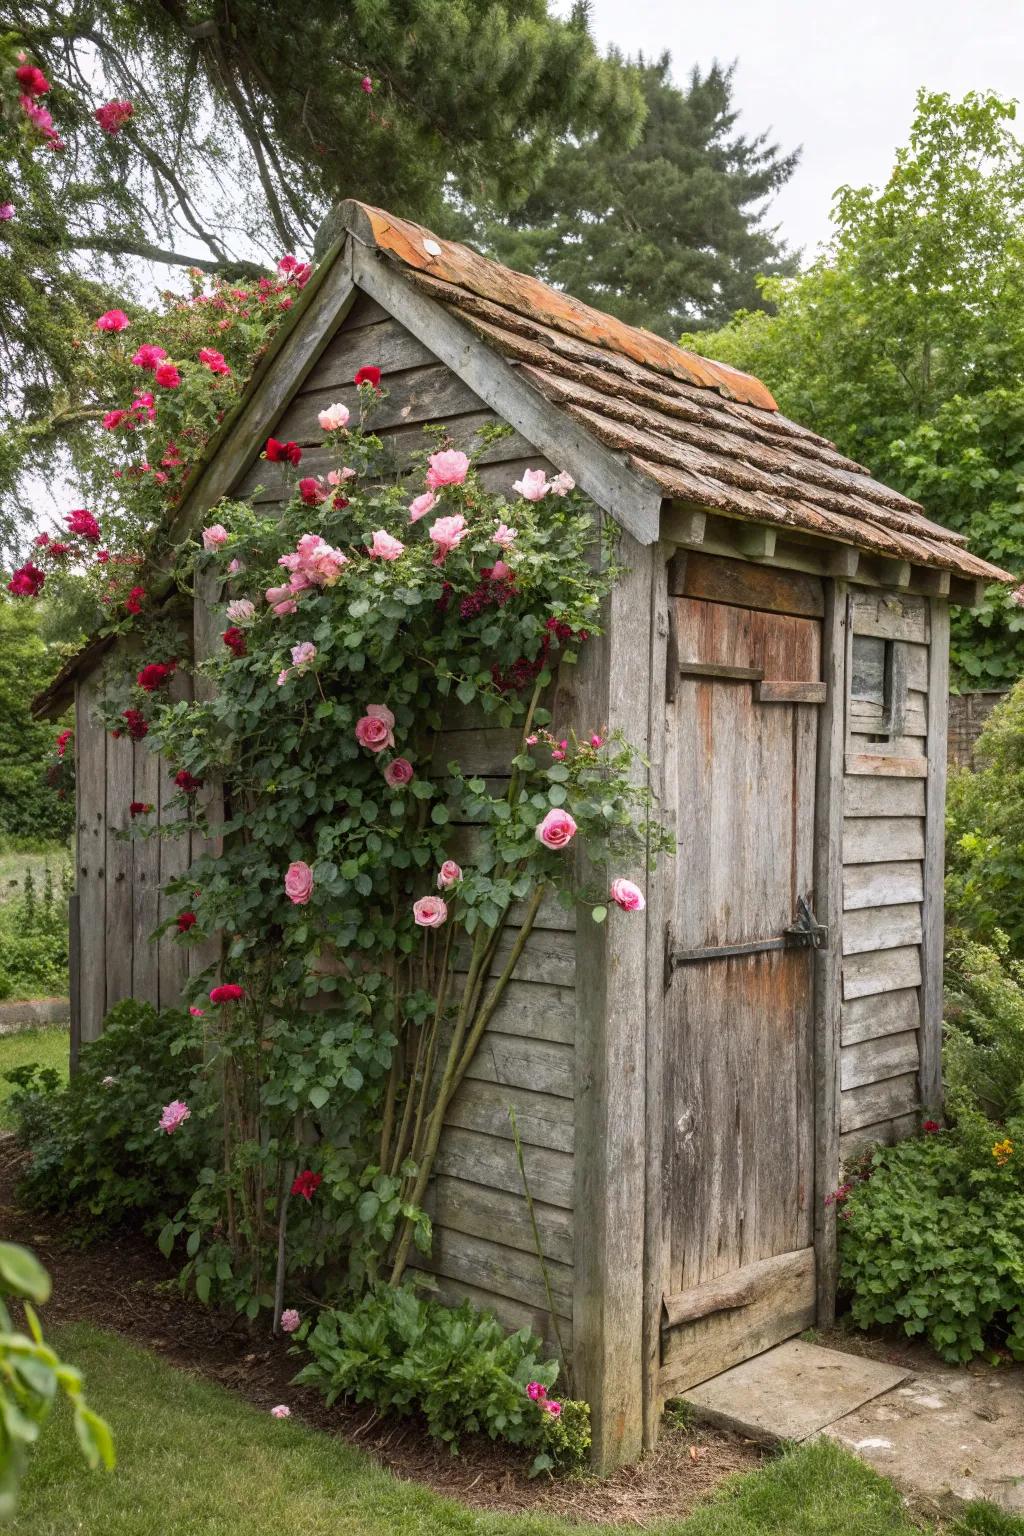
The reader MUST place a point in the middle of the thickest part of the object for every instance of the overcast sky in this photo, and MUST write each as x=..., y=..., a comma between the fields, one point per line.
x=837, y=76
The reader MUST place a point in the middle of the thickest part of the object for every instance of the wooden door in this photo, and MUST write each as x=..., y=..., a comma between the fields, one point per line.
x=738, y=1151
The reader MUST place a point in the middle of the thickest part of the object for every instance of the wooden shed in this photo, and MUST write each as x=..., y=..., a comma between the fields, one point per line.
x=687, y=1084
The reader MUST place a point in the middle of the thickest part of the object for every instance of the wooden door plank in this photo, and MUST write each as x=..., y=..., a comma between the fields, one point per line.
x=932, y=943
x=119, y=927
x=91, y=762
x=146, y=872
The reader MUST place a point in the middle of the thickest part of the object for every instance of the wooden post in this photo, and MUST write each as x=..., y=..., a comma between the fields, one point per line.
x=663, y=667
x=932, y=907
x=611, y=1119
x=828, y=906
x=74, y=980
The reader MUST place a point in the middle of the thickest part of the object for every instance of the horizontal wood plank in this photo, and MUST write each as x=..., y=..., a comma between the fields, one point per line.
x=877, y=1102
x=518, y=1062
x=882, y=885
x=882, y=840
x=873, y=1061
x=416, y=395
x=537, y=1012
x=746, y=586
x=778, y=691
x=886, y=1013
x=887, y=970
x=887, y=765
x=498, y=1269
x=386, y=345
x=881, y=928
x=863, y=742
x=491, y=1160
x=866, y=717
x=512, y=1315
x=867, y=796
x=549, y=957
x=889, y=616
x=886, y=1133
x=544, y=1120
x=464, y=1206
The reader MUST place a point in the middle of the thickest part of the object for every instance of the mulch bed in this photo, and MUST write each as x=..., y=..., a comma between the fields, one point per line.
x=126, y=1286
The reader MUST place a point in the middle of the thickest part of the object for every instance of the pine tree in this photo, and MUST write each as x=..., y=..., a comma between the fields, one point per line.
x=668, y=233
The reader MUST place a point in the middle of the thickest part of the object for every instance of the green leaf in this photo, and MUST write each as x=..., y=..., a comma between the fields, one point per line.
x=599, y=914
x=203, y=1288
x=318, y=1096
x=466, y=692
x=22, y=1274
x=439, y=815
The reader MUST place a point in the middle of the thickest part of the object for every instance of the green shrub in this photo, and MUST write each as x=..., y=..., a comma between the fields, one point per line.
x=34, y=939
x=985, y=833
x=983, y=1055
x=455, y=1365
x=95, y=1147
x=932, y=1239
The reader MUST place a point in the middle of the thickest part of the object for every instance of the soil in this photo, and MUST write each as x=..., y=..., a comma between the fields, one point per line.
x=126, y=1286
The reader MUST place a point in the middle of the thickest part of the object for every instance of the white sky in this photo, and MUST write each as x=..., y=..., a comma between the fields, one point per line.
x=837, y=76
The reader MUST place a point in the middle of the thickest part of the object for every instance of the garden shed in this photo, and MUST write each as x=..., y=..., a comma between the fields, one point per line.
x=686, y=1085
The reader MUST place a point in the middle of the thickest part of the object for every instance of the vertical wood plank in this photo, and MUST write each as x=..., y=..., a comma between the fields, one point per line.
x=613, y=689
x=91, y=879
x=659, y=906
x=119, y=932
x=74, y=980
x=932, y=910
x=828, y=898
x=206, y=632
x=146, y=869
x=174, y=860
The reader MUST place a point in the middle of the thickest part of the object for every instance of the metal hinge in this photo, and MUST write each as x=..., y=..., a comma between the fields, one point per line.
x=805, y=933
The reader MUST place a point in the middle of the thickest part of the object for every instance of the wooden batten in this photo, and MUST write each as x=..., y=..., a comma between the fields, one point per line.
x=932, y=910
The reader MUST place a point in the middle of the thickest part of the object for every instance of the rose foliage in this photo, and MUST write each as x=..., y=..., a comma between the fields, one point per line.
x=373, y=892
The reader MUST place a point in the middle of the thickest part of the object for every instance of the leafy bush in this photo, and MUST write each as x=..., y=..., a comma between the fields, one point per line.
x=95, y=1146
x=32, y=1376
x=985, y=833
x=983, y=1057
x=932, y=1238
x=34, y=939
x=454, y=1365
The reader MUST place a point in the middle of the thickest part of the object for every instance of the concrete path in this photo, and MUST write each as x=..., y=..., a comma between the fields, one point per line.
x=941, y=1433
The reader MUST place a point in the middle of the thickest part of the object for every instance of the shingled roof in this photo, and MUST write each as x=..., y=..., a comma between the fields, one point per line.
x=705, y=434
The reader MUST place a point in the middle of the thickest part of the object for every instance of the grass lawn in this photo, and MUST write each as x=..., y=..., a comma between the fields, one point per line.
x=15, y=866
x=194, y=1458
x=48, y=1047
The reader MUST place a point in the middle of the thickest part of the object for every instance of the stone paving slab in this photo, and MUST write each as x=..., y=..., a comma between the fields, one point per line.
x=792, y=1391
x=948, y=1434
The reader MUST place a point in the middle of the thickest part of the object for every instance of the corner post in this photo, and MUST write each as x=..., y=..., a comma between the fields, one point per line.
x=613, y=690
x=828, y=962
x=933, y=905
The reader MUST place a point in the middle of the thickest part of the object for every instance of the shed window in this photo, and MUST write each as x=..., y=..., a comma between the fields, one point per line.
x=872, y=667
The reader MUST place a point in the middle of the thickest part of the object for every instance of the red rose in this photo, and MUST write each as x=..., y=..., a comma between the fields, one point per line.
x=930, y=1127
x=186, y=782
x=234, y=639
x=27, y=581
x=32, y=80
x=156, y=675
x=186, y=920
x=307, y=1183
x=114, y=115
x=83, y=524
x=228, y=992
x=167, y=376
x=136, y=722
x=133, y=602
x=368, y=375
x=215, y=361
x=311, y=491
x=279, y=453
x=139, y=808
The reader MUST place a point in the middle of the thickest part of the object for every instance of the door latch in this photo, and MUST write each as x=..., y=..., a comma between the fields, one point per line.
x=806, y=932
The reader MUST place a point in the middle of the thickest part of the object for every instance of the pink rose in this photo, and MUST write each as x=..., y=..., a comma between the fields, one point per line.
x=533, y=486
x=627, y=896
x=553, y=1408
x=282, y=1411
x=334, y=418
x=214, y=536
x=175, y=1113
x=298, y=883
x=398, y=772
x=449, y=874
x=234, y=566
x=421, y=506
x=562, y=484
x=282, y=599
x=6, y=212
x=303, y=654
x=448, y=533
x=429, y=912
x=113, y=320
x=241, y=610
x=447, y=468
x=376, y=728
x=339, y=476
x=167, y=376
x=504, y=537
x=384, y=547
x=500, y=571
x=557, y=830
x=283, y=676
x=148, y=356
x=197, y=1013
x=290, y=1320
x=536, y=1391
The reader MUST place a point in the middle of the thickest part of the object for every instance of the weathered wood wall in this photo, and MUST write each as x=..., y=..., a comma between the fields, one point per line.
x=483, y=1243
x=118, y=880
x=892, y=754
